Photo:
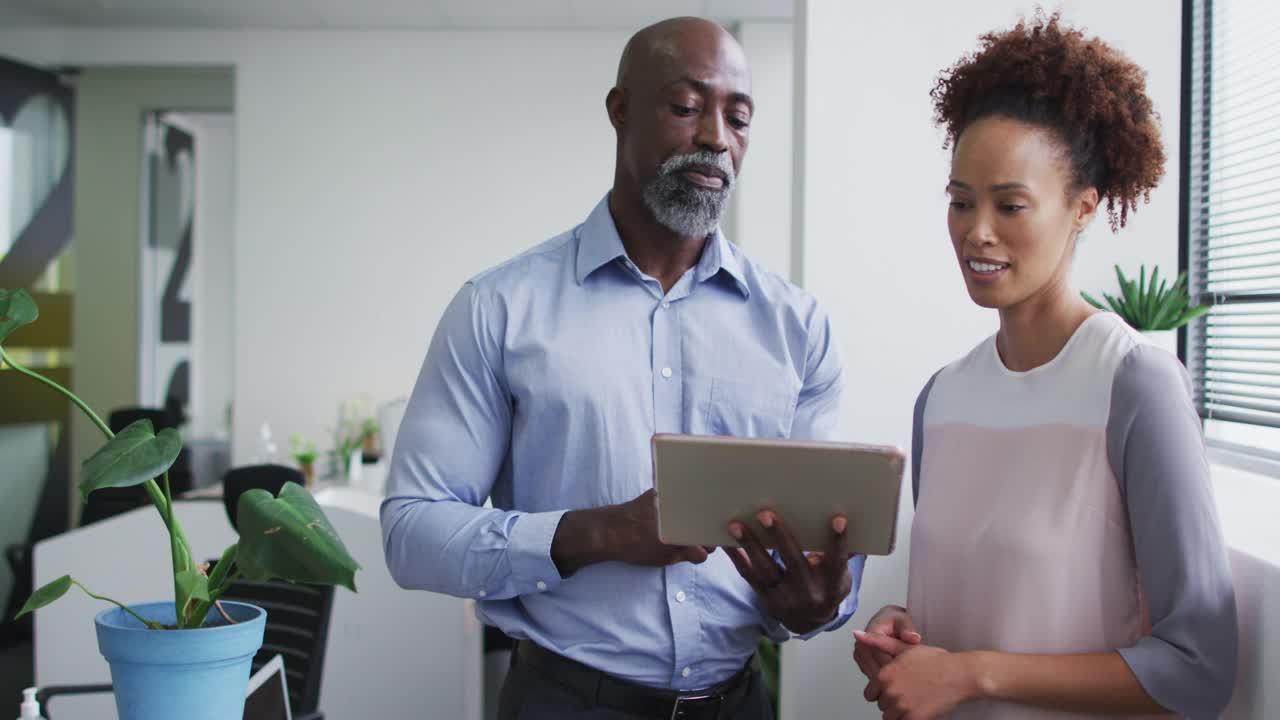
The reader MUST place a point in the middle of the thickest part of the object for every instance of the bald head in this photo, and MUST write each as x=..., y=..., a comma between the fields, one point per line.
x=682, y=109
x=666, y=47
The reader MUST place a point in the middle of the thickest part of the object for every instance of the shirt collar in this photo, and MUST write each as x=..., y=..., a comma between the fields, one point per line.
x=599, y=244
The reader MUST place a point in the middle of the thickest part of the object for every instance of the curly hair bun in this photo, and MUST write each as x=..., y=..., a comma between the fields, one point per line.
x=1090, y=95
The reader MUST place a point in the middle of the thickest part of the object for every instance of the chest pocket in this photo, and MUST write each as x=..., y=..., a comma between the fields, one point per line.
x=745, y=410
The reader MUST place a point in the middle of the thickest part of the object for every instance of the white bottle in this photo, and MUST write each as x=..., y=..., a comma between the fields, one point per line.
x=30, y=706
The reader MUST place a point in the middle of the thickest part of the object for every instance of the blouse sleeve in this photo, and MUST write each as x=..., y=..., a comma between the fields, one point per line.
x=1156, y=450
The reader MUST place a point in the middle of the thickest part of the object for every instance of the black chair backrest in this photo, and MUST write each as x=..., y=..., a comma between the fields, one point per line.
x=121, y=418
x=267, y=477
x=297, y=629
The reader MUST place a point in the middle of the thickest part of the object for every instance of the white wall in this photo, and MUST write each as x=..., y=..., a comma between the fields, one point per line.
x=212, y=288
x=761, y=208
x=376, y=173
x=213, y=328
x=875, y=247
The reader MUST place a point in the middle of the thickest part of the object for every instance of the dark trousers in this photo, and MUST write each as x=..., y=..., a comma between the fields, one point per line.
x=531, y=694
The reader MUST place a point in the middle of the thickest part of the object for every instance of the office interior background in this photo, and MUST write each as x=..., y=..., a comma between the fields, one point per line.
x=267, y=205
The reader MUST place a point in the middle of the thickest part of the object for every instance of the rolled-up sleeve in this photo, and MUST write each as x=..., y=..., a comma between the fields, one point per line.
x=1156, y=450
x=450, y=449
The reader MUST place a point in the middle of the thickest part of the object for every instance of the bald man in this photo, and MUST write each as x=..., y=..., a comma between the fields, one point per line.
x=544, y=383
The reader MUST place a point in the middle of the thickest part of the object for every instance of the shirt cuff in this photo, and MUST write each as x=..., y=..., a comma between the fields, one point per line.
x=848, y=606
x=843, y=613
x=529, y=551
x=777, y=632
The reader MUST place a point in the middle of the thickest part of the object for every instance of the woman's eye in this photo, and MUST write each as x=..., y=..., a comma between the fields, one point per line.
x=683, y=110
x=1010, y=208
x=959, y=205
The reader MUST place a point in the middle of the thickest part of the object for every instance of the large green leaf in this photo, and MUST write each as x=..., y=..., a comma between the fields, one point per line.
x=46, y=595
x=16, y=309
x=289, y=537
x=134, y=456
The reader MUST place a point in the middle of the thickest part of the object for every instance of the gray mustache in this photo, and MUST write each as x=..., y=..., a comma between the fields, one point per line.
x=716, y=161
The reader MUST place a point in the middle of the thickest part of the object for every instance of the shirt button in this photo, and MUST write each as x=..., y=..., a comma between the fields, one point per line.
x=680, y=596
x=484, y=594
x=685, y=672
x=666, y=372
x=666, y=304
x=542, y=585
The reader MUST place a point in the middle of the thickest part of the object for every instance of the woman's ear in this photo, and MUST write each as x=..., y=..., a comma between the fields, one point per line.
x=1086, y=206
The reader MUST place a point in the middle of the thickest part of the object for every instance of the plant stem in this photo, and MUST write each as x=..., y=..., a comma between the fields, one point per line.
x=219, y=579
x=79, y=403
x=223, y=613
x=150, y=624
x=180, y=561
x=153, y=491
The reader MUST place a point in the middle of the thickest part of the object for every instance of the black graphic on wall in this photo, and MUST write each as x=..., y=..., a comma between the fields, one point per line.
x=169, y=257
x=37, y=109
x=175, y=314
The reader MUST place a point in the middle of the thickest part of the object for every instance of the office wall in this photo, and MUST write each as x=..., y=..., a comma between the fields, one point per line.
x=212, y=280
x=875, y=248
x=376, y=171
x=110, y=104
x=761, y=205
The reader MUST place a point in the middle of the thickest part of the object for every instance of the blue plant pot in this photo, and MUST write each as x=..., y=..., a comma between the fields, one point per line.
x=189, y=674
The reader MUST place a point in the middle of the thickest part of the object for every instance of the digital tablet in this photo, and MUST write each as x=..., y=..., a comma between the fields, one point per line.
x=267, y=696
x=703, y=482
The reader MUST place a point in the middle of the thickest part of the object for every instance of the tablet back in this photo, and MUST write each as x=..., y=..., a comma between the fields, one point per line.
x=703, y=482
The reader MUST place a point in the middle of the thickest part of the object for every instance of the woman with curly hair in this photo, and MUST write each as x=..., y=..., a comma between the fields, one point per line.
x=1066, y=557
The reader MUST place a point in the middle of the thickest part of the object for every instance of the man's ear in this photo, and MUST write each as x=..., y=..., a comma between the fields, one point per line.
x=616, y=104
x=1086, y=207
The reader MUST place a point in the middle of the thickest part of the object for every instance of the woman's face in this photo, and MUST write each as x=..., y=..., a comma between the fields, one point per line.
x=1014, y=216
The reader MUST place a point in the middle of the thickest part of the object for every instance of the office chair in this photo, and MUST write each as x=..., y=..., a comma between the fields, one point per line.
x=298, y=630
x=297, y=614
x=267, y=477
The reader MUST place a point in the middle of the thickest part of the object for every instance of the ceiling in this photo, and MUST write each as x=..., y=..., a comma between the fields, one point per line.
x=375, y=14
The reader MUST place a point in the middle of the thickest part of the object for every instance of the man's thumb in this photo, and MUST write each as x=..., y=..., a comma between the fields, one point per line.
x=905, y=630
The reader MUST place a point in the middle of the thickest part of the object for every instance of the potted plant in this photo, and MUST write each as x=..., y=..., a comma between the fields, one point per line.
x=1152, y=307
x=190, y=657
x=356, y=432
x=304, y=453
x=369, y=440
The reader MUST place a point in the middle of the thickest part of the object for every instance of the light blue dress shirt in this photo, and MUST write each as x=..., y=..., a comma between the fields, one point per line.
x=543, y=384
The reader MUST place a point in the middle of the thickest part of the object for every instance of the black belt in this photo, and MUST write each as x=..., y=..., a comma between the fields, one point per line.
x=711, y=704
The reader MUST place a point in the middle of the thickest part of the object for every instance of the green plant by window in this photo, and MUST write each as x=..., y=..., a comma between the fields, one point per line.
x=1151, y=305
x=286, y=537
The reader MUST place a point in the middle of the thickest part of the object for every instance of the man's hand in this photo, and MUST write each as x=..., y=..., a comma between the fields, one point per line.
x=627, y=533
x=921, y=682
x=894, y=622
x=804, y=593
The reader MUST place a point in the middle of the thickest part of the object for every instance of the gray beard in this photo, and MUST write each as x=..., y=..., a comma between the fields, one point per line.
x=683, y=207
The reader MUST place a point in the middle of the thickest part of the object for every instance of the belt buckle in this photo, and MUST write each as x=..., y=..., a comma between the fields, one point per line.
x=687, y=706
